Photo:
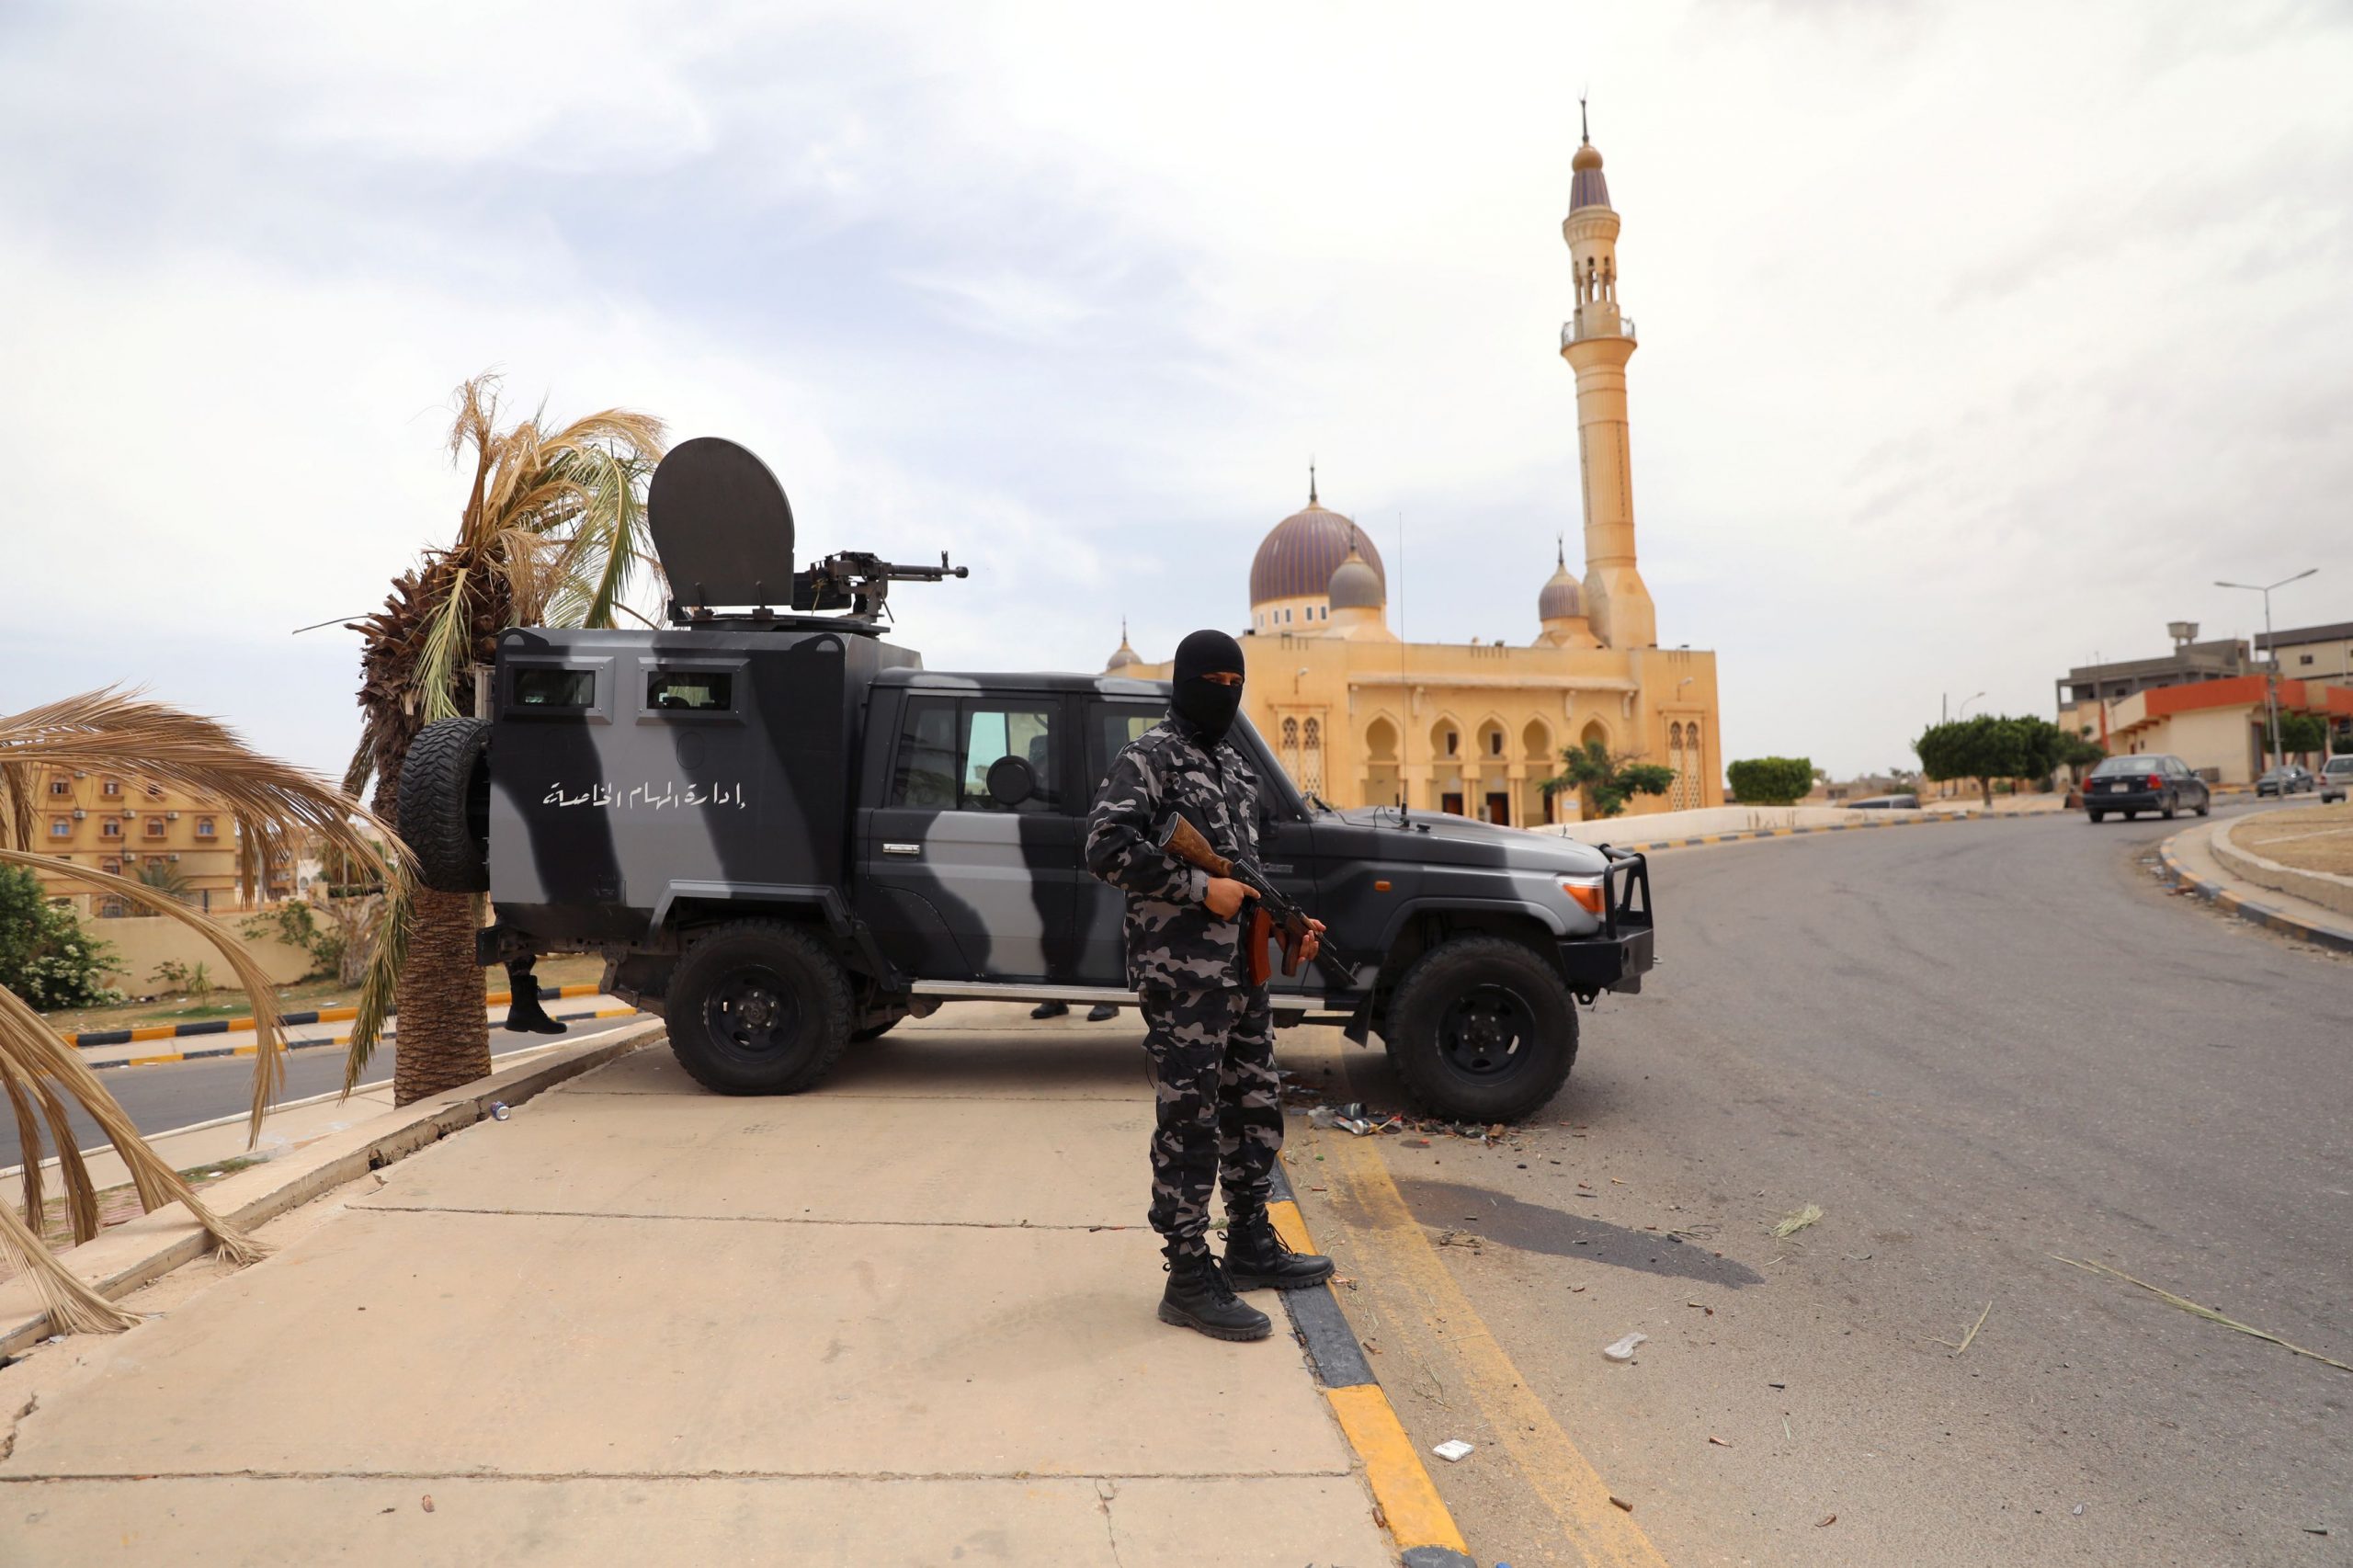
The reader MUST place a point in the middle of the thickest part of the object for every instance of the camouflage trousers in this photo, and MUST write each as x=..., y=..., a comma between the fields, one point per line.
x=1211, y=1055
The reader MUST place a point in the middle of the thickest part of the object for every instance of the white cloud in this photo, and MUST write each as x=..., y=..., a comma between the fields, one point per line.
x=1973, y=339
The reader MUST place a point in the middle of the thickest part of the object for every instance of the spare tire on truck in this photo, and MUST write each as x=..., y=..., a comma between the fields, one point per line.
x=444, y=804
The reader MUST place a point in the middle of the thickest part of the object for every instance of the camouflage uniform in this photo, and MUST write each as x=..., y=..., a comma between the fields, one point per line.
x=1210, y=1036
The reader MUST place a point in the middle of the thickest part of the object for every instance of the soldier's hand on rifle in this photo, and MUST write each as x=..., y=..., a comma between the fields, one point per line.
x=1313, y=943
x=1225, y=895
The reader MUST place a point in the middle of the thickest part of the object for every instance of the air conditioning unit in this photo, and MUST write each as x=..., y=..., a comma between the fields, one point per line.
x=174, y=857
x=171, y=816
x=78, y=815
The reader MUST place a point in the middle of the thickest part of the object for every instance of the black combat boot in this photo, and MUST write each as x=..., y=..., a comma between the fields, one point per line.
x=1256, y=1256
x=524, y=1014
x=1197, y=1297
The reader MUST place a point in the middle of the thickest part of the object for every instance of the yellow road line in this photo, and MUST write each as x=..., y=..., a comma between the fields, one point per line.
x=1417, y=1514
x=1400, y=1483
x=1401, y=1255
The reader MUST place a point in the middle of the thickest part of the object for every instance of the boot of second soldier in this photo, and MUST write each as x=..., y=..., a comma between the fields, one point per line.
x=1198, y=1298
x=525, y=1015
x=1256, y=1256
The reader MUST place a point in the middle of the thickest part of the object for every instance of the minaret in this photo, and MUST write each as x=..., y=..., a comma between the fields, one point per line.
x=1597, y=342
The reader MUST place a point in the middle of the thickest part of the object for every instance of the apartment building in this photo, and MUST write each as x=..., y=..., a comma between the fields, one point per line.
x=116, y=822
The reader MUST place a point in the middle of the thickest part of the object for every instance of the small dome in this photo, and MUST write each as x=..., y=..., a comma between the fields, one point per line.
x=1354, y=584
x=1587, y=187
x=1297, y=558
x=1562, y=598
x=1123, y=655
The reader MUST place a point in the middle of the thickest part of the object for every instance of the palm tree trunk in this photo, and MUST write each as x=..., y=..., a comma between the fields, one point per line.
x=442, y=1040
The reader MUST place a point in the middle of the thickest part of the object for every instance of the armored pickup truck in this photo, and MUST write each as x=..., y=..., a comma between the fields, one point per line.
x=786, y=835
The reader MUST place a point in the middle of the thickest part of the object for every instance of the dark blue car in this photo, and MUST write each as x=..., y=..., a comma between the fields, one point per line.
x=2153, y=783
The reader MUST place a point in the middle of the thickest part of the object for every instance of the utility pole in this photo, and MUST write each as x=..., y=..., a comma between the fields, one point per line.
x=2271, y=669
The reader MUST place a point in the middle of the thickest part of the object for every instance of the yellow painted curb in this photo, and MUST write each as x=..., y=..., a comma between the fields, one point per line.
x=1417, y=1514
x=1400, y=1483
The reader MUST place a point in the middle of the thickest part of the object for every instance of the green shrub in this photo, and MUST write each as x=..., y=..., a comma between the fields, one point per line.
x=293, y=922
x=44, y=956
x=1771, y=781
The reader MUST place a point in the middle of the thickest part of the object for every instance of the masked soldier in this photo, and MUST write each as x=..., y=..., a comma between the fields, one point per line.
x=1210, y=1035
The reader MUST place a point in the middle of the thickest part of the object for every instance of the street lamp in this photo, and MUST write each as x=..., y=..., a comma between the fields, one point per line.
x=2271, y=672
x=1965, y=701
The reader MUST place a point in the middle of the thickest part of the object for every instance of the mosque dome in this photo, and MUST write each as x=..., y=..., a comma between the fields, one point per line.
x=1123, y=655
x=1354, y=584
x=1562, y=598
x=1296, y=559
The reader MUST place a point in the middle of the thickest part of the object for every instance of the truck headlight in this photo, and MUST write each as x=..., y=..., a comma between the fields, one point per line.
x=1587, y=894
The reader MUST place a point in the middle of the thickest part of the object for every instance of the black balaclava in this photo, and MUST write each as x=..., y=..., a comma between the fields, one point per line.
x=1208, y=707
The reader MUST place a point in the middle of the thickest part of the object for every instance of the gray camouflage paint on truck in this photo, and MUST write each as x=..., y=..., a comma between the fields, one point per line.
x=611, y=824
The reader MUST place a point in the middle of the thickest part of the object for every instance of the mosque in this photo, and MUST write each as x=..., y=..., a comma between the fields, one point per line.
x=1361, y=717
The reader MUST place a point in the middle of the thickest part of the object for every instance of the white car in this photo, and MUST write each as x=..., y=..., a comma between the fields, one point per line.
x=2335, y=778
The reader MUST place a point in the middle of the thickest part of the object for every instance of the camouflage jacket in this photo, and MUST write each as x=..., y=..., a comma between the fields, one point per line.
x=1173, y=942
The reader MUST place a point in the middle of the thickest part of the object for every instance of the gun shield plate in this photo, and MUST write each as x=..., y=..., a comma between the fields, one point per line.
x=721, y=525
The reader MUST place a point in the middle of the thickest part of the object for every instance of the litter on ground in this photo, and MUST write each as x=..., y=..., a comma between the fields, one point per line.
x=1791, y=1224
x=2209, y=1313
x=1454, y=1450
x=1623, y=1349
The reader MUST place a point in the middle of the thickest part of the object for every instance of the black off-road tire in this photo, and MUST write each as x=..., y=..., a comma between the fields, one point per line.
x=2096, y=816
x=1434, y=1033
x=758, y=1007
x=444, y=804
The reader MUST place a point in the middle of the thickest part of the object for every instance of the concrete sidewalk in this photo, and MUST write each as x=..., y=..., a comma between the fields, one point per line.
x=904, y=1319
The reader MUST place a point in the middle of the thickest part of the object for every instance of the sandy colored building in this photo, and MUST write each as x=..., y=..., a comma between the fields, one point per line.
x=1360, y=718
x=2087, y=695
x=2323, y=653
x=2218, y=727
x=116, y=822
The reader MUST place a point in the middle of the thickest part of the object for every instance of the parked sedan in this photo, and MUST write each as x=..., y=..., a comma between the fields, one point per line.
x=2284, y=781
x=2154, y=782
x=2335, y=778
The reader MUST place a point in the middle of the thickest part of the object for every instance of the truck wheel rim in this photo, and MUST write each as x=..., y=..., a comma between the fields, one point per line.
x=1485, y=1033
x=754, y=1011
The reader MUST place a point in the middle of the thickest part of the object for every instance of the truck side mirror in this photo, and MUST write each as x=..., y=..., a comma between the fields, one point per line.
x=1011, y=781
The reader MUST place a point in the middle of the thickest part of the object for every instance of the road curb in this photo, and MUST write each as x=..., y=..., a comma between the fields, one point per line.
x=2171, y=869
x=1419, y=1521
x=1746, y=834
x=167, y=1056
x=142, y=1033
x=118, y=1261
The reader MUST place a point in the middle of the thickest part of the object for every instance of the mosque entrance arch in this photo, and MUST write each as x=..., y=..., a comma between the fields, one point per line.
x=1383, y=786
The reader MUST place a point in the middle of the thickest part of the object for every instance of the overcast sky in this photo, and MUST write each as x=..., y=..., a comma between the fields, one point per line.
x=1975, y=339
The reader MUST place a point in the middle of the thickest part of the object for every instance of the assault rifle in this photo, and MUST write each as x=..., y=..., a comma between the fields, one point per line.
x=1272, y=913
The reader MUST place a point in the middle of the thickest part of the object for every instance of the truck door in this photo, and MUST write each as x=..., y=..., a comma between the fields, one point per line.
x=957, y=885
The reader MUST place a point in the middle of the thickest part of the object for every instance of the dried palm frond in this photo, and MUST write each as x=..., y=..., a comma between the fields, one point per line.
x=269, y=1062
x=378, y=987
x=72, y=1307
x=114, y=730
x=35, y=1048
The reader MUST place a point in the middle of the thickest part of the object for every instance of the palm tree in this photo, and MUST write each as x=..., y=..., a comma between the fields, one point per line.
x=553, y=534
x=164, y=878
x=110, y=732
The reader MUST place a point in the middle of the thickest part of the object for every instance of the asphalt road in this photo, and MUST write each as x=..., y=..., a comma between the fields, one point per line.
x=181, y=1093
x=1973, y=1046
